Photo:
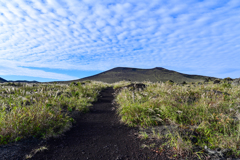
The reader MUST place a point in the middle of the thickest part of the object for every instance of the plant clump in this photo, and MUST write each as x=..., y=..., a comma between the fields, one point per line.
x=211, y=112
x=42, y=110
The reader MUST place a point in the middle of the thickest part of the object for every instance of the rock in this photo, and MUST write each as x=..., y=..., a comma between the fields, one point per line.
x=29, y=85
x=120, y=157
x=4, y=92
x=218, y=92
x=236, y=119
x=137, y=86
x=216, y=81
x=217, y=152
x=28, y=93
x=170, y=81
x=161, y=129
x=236, y=82
x=66, y=94
x=179, y=84
x=26, y=101
x=207, y=80
x=58, y=93
x=179, y=112
x=228, y=79
x=183, y=83
x=74, y=83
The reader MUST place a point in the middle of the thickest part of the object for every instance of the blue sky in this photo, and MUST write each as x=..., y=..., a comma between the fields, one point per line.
x=48, y=40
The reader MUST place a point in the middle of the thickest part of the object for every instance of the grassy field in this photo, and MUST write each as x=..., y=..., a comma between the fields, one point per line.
x=210, y=111
x=205, y=112
x=43, y=110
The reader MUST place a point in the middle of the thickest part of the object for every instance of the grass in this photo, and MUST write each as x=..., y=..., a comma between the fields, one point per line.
x=44, y=110
x=120, y=84
x=210, y=110
x=143, y=135
x=33, y=152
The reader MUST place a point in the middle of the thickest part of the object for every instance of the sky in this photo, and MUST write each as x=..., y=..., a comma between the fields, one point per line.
x=47, y=40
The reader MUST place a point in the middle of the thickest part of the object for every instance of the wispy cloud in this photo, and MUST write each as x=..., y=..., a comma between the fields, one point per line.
x=99, y=35
x=11, y=69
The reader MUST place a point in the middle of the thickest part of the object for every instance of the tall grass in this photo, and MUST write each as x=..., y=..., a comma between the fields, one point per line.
x=43, y=110
x=118, y=85
x=211, y=110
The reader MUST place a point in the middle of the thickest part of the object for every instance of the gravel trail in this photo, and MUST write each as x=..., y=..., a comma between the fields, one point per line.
x=98, y=135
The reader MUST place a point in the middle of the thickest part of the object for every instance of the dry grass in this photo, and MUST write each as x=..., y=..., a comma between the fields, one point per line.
x=43, y=110
x=211, y=110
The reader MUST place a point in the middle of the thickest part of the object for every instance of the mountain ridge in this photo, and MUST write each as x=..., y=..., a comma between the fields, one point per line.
x=137, y=74
x=24, y=81
x=2, y=80
x=117, y=74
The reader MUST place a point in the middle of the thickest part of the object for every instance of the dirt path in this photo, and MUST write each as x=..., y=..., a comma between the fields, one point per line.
x=97, y=135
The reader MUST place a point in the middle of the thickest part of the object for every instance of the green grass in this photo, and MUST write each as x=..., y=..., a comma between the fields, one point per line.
x=213, y=115
x=210, y=110
x=44, y=110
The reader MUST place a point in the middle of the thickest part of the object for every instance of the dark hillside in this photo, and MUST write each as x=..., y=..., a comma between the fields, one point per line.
x=24, y=81
x=2, y=80
x=135, y=74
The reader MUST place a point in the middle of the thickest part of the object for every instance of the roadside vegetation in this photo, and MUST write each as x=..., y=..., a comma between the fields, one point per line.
x=119, y=85
x=206, y=115
x=42, y=110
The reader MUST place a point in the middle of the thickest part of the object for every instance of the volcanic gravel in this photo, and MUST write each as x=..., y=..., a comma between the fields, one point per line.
x=97, y=135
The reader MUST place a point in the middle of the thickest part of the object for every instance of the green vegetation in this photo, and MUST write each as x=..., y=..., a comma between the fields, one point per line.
x=210, y=111
x=43, y=110
x=204, y=114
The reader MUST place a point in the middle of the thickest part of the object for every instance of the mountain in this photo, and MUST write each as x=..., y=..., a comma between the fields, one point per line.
x=2, y=80
x=24, y=81
x=140, y=75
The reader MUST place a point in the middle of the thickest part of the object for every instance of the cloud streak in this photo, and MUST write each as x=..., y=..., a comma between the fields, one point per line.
x=10, y=68
x=99, y=35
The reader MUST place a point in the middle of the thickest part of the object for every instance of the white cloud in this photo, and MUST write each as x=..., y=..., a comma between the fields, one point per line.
x=90, y=35
x=9, y=68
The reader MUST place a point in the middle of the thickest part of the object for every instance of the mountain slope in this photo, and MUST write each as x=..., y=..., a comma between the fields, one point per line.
x=135, y=74
x=24, y=81
x=2, y=80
